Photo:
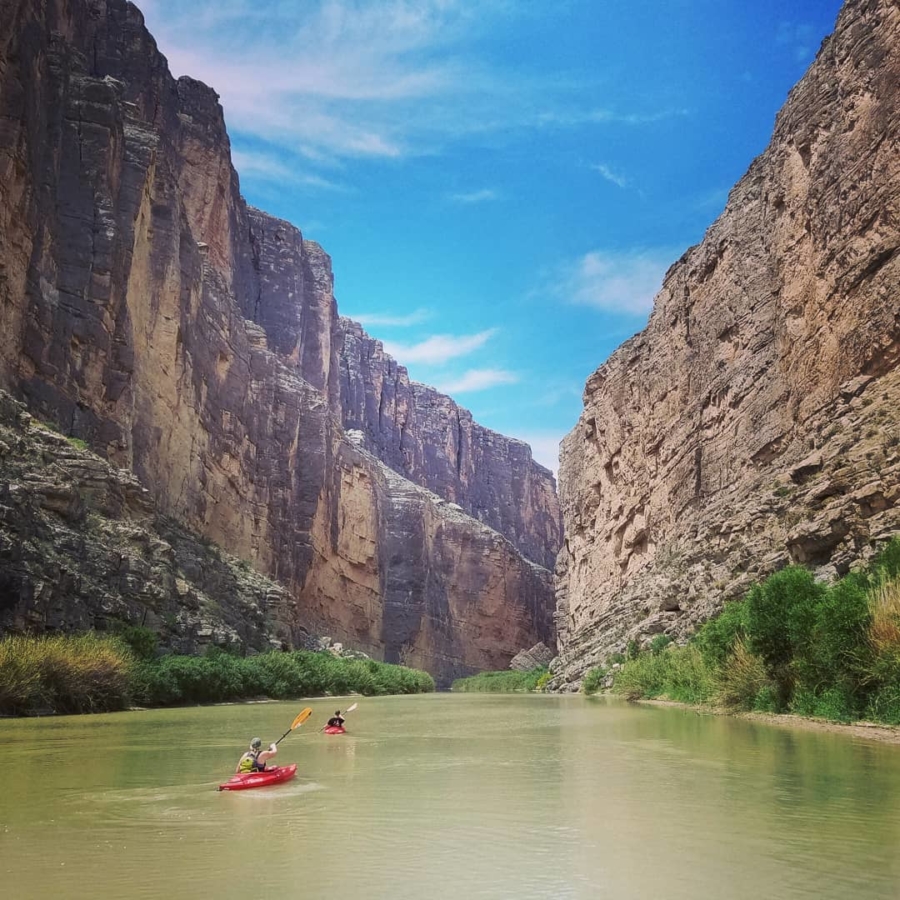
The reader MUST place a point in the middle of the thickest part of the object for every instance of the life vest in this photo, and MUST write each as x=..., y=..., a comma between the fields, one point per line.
x=250, y=763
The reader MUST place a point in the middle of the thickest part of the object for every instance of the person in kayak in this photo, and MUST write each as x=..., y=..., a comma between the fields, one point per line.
x=254, y=760
x=336, y=721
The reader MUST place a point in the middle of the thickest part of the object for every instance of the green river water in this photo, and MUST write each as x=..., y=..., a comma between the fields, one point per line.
x=448, y=796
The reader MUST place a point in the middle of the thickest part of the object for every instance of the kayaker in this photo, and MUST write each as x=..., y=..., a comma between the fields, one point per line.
x=254, y=760
x=336, y=721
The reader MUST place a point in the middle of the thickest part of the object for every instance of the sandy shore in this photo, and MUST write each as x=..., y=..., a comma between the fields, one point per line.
x=871, y=731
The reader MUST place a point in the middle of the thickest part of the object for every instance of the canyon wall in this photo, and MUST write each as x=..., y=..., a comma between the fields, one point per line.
x=755, y=421
x=195, y=341
x=425, y=436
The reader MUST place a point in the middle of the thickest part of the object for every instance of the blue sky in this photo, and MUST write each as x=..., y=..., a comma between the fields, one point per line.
x=501, y=184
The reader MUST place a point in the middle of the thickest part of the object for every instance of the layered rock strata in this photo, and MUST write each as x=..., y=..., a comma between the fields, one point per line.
x=83, y=546
x=755, y=421
x=195, y=342
x=425, y=436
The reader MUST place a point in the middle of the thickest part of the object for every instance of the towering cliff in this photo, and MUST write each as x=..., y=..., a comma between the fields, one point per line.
x=425, y=436
x=755, y=421
x=193, y=340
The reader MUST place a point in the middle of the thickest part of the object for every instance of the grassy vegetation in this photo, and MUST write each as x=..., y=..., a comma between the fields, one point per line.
x=793, y=645
x=92, y=673
x=505, y=682
x=79, y=674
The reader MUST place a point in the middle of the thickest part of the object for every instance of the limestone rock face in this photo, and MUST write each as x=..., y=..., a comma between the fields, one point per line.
x=194, y=341
x=425, y=436
x=82, y=545
x=755, y=421
x=539, y=655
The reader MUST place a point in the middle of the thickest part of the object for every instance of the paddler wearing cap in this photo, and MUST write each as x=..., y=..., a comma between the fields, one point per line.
x=254, y=760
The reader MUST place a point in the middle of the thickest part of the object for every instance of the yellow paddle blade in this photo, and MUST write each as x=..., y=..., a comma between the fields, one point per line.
x=302, y=717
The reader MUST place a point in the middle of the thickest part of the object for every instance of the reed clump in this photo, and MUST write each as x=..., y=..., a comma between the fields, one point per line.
x=63, y=674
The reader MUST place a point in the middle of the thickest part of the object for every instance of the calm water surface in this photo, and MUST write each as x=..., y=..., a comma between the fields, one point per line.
x=468, y=796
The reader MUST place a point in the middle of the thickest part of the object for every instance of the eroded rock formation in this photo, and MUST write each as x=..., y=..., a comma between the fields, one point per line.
x=755, y=421
x=195, y=342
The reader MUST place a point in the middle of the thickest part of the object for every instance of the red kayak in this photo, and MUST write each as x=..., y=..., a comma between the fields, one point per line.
x=275, y=775
x=334, y=729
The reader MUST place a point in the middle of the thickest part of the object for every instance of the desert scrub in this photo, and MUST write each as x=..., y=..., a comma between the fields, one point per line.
x=63, y=674
x=506, y=682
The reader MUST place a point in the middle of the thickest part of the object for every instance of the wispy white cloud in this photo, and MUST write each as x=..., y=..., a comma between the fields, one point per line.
x=623, y=282
x=572, y=117
x=477, y=380
x=439, y=348
x=390, y=319
x=472, y=197
x=347, y=79
x=268, y=168
x=610, y=176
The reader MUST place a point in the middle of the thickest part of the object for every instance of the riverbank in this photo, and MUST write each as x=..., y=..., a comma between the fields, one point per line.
x=793, y=646
x=872, y=731
x=506, y=681
x=68, y=674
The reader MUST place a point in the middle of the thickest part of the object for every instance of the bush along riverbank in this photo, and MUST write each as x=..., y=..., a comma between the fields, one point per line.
x=505, y=682
x=98, y=673
x=792, y=645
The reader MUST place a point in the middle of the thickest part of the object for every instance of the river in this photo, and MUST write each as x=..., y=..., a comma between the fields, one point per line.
x=448, y=796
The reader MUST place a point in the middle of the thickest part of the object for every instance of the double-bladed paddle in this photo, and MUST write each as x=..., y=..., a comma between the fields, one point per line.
x=304, y=715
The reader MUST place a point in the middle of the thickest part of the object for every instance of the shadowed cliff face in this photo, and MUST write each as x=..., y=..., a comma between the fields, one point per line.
x=195, y=341
x=755, y=421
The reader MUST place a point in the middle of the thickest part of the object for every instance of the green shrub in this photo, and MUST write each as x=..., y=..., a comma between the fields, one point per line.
x=504, y=682
x=884, y=704
x=659, y=643
x=839, y=645
x=716, y=638
x=886, y=565
x=143, y=642
x=92, y=673
x=781, y=616
x=766, y=701
x=831, y=703
x=593, y=680
x=543, y=681
x=632, y=649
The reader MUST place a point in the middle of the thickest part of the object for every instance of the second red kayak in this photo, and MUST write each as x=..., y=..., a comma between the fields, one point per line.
x=334, y=729
x=275, y=775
